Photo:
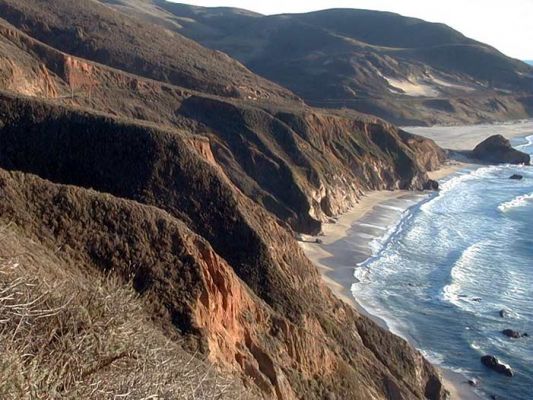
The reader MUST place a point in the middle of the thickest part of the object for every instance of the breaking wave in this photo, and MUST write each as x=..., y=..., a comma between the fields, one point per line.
x=518, y=201
x=462, y=274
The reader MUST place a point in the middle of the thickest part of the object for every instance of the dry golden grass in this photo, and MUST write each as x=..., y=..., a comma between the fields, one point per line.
x=64, y=334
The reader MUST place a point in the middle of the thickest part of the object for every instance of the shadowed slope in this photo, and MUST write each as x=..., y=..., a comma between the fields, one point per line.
x=90, y=30
x=304, y=165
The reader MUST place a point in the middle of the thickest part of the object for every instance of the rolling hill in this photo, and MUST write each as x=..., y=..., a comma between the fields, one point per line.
x=405, y=70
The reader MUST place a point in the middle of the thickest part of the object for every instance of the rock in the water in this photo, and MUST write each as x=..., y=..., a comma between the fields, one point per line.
x=431, y=185
x=516, y=177
x=505, y=313
x=473, y=382
x=514, y=334
x=496, y=365
x=498, y=150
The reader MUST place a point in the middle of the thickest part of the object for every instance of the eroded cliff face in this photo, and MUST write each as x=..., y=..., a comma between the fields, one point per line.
x=213, y=267
x=302, y=164
x=305, y=165
x=190, y=193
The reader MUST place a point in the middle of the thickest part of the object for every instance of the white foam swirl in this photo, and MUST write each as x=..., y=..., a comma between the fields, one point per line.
x=529, y=142
x=518, y=201
x=461, y=275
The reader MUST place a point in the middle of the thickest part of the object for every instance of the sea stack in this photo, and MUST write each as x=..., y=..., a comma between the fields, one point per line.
x=498, y=150
x=496, y=365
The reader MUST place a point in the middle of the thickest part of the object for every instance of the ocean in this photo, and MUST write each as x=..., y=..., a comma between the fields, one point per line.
x=440, y=277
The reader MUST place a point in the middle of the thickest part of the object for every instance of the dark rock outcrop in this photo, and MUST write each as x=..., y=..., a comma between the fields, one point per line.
x=514, y=334
x=496, y=365
x=505, y=313
x=473, y=382
x=498, y=150
x=431, y=185
x=516, y=177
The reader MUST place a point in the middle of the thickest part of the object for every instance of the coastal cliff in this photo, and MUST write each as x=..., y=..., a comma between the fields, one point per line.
x=236, y=285
x=188, y=191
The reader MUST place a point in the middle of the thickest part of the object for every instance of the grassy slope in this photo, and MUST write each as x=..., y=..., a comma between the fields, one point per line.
x=72, y=334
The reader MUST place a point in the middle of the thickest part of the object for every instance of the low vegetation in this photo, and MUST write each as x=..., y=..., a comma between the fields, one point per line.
x=64, y=334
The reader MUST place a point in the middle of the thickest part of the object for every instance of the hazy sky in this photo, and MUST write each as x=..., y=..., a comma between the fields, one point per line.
x=504, y=24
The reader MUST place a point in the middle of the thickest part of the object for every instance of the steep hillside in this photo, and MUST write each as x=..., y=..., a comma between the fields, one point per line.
x=92, y=31
x=122, y=155
x=403, y=69
x=243, y=293
x=70, y=332
x=304, y=165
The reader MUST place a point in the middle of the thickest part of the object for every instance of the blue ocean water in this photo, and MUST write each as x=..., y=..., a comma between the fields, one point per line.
x=454, y=261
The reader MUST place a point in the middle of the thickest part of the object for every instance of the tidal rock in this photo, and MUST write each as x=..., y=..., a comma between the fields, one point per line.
x=505, y=313
x=496, y=365
x=431, y=185
x=514, y=334
x=473, y=382
x=498, y=150
x=516, y=177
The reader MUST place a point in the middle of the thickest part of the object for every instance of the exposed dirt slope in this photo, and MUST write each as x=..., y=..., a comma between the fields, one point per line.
x=68, y=331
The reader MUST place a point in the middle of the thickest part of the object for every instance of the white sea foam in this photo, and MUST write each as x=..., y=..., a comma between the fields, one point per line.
x=379, y=243
x=475, y=346
x=365, y=225
x=518, y=201
x=529, y=142
x=460, y=178
x=432, y=356
x=461, y=274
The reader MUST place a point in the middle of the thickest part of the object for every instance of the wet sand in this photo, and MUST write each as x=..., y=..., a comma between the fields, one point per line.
x=347, y=242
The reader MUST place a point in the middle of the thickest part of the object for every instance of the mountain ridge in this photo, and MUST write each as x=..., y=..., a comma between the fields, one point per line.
x=416, y=81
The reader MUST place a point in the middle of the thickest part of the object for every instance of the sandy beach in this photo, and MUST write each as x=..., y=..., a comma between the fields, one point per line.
x=467, y=137
x=347, y=243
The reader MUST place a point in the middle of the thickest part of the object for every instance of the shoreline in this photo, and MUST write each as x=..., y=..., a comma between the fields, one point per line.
x=347, y=243
x=466, y=137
